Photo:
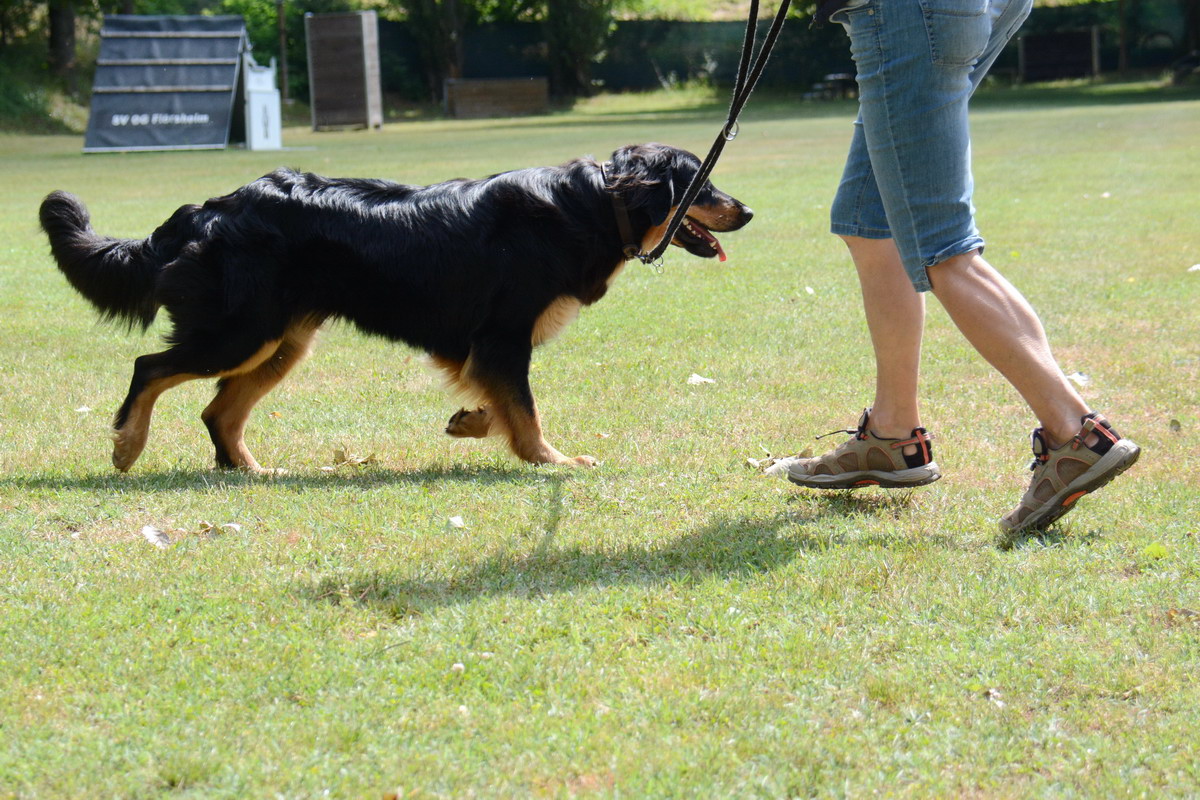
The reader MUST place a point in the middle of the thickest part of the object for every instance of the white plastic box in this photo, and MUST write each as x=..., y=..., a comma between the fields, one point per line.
x=264, y=118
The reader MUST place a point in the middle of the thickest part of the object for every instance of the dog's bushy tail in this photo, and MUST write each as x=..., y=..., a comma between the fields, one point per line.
x=115, y=275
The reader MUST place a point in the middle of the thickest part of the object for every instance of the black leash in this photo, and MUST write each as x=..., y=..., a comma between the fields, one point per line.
x=747, y=79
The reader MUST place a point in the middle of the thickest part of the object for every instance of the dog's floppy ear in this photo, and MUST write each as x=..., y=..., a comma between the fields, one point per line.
x=660, y=200
x=644, y=175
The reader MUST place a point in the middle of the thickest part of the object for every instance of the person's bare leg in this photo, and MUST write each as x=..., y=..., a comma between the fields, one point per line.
x=1000, y=324
x=895, y=314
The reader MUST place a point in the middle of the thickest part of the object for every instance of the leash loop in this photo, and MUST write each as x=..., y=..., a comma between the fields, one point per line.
x=731, y=130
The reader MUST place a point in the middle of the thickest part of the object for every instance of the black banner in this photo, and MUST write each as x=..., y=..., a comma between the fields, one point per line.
x=165, y=83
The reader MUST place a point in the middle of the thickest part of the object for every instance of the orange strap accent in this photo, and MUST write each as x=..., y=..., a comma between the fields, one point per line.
x=1103, y=430
x=1068, y=501
x=921, y=440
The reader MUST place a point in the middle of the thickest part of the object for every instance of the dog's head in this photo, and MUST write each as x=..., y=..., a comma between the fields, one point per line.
x=652, y=178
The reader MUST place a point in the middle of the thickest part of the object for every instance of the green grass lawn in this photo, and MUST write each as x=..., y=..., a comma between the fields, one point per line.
x=671, y=624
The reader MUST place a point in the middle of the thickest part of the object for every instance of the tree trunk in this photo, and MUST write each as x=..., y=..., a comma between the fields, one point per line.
x=1191, y=24
x=1122, y=37
x=62, y=37
x=454, y=24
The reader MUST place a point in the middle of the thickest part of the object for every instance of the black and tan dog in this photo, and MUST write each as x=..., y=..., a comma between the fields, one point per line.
x=475, y=272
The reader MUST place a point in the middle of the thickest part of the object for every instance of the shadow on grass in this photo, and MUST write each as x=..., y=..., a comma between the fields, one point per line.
x=727, y=546
x=1056, y=535
x=201, y=479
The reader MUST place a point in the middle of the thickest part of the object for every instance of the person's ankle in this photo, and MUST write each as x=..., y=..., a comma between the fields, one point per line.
x=886, y=427
x=1065, y=431
x=889, y=428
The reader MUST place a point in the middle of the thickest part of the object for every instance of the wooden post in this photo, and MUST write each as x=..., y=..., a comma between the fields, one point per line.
x=281, y=25
x=343, y=69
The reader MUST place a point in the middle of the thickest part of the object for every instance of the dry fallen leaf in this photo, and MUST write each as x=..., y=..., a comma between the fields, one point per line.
x=343, y=457
x=776, y=465
x=1179, y=616
x=210, y=530
x=456, y=522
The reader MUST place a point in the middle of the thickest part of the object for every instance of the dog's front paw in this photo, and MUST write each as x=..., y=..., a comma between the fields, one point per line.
x=583, y=461
x=127, y=446
x=263, y=472
x=465, y=424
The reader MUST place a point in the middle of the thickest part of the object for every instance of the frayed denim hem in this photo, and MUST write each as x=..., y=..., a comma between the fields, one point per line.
x=920, y=274
x=861, y=231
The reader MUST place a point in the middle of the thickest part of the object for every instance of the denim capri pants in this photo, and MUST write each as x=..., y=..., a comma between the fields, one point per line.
x=908, y=174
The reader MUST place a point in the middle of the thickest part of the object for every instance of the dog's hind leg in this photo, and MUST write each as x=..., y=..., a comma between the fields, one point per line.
x=499, y=369
x=154, y=374
x=227, y=414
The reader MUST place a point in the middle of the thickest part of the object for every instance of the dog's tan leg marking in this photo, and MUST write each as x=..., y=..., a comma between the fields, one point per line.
x=266, y=351
x=464, y=424
x=453, y=374
x=226, y=416
x=130, y=439
x=557, y=316
x=508, y=415
x=475, y=424
x=503, y=412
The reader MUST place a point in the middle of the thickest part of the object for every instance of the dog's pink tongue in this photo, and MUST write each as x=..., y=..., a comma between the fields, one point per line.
x=720, y=250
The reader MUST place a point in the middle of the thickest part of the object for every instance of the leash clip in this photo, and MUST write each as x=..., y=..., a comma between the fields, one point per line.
x=731, y=130
x=655, y=264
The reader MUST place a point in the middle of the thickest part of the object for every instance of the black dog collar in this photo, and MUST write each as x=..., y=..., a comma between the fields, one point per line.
x=630, y=247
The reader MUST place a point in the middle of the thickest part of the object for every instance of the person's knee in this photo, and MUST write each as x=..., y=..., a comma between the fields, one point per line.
x=864, y=250
x=964, y=266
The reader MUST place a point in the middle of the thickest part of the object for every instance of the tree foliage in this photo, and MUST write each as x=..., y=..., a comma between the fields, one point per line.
x=576, y=31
